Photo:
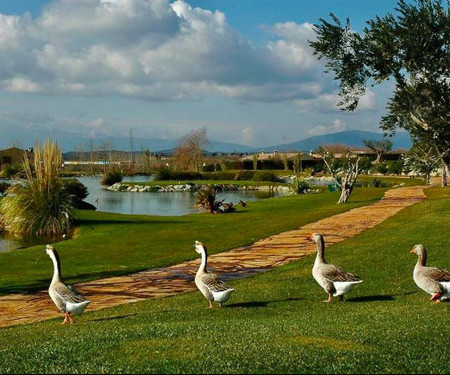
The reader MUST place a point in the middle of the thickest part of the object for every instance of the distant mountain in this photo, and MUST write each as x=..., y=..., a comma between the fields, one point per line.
x=351, y=138
x=69, y=141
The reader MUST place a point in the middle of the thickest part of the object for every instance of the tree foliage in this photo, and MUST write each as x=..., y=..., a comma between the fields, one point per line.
x=379, y=147
x=411, y=48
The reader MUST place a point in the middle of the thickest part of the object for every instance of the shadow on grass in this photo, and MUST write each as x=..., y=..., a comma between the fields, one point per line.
x=117, y=317
x=378, y=298
x=257, y=304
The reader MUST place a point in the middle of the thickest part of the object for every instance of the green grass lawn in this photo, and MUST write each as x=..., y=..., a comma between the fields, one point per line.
x=274, y=322
x=113, y=244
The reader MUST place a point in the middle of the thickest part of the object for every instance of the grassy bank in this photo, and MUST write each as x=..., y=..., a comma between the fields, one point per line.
x=112, y=244
x=275, y=322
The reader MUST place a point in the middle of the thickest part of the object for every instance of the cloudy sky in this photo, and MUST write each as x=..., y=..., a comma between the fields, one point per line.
x=241, y=68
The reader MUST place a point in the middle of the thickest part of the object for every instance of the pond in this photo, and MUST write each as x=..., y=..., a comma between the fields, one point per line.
x=165, y=204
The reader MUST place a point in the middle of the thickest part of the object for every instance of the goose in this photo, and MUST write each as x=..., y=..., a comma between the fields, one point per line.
x=432, y=280
x=66, y=299
x=211, y=286
x=334, y=280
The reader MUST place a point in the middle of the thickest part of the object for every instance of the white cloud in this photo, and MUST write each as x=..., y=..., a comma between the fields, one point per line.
x=336, y=126
x=153, y=49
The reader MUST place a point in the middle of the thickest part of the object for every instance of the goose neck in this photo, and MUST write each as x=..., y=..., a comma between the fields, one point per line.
x=204, y=262
x=320, y=250
x=56, y=267
x=422, y=259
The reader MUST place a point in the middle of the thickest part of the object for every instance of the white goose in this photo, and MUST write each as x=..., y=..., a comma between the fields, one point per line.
x=211, y=286
x=65, y=298
x=333, y=279
x=432, y=280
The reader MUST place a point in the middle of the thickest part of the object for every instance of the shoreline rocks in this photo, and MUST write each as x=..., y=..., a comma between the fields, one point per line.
x=190, y=187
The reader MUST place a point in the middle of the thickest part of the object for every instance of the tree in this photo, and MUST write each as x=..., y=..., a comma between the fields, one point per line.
x=189, y=151
x=410, y=48
x=422, y=158
x=379, y=147
x=343, y=165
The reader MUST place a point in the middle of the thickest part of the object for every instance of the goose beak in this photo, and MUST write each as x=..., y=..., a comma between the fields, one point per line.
x=309, y=236
x=412, y=251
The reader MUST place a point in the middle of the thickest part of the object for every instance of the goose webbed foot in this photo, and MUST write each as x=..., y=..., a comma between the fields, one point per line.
x=211, y=306
x=436, y=297
x=66, y=319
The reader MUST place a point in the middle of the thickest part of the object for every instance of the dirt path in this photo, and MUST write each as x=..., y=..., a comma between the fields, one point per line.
x=265, y=254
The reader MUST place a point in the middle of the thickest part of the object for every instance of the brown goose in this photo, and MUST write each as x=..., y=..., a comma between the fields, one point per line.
x=211, y=286
x=432, y=280
x=334, y=280
x=65, y=298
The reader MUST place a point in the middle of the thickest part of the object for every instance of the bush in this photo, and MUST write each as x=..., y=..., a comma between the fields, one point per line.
x=299, y=186
x=381, y=168
x=376, y=182
x=111, y=177
x=221, y=176
x=265, y=176
x=3, y=187
x=166, y=174
x=77, y=192
x=39, y=206
x=396, y=167
x=244, y=175
x=10, y=171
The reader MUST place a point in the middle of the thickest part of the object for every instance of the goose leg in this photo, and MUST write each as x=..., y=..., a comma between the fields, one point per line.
x=436, y=297
x=330, y=298
x=341, y=298
x=66, y=317
x=211, y=305
x=220, y=304
x=71, y=319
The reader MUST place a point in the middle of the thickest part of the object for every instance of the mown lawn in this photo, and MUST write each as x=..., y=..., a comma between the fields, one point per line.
x=274, y=323
x=113, y=244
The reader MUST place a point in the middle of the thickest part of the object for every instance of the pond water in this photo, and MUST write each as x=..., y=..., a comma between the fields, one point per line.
x=166, y=204
x=163, y=203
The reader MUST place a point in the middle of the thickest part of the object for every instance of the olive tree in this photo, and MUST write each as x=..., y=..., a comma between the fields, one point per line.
x=343, y=165
x=411, y=49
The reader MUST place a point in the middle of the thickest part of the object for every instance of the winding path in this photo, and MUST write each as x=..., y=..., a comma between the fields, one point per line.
x=262, y=255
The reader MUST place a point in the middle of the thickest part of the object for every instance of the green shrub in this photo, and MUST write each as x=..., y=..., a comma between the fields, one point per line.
x=111, y=177
x=244, y=175
x=265, y=176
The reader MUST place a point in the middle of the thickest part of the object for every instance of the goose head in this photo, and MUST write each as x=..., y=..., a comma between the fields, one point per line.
x=49, y=249
x=314, y=237
x=418, y=249
x=199, y=247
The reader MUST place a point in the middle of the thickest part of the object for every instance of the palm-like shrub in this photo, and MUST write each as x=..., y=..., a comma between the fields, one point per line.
x=206, y=199
x=299, y=186
x=39, y=206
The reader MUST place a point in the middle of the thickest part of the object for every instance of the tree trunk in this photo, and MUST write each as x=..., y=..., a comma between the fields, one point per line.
x=345, y=194
x=445, y=171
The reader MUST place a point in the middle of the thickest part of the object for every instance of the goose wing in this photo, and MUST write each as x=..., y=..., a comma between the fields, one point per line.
x=334, y=273
x=214, y=283
x=67, y=294
x=436, y=274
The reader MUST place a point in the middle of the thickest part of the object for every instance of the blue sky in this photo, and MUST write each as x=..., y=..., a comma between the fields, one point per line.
x=161, y=68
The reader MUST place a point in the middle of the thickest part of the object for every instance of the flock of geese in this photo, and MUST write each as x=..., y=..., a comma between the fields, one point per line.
x=334, y=280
